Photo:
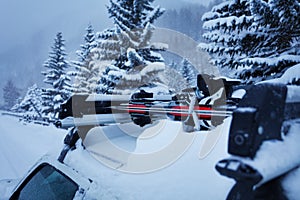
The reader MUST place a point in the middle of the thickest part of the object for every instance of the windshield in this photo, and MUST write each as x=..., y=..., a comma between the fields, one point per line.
x=48, y=184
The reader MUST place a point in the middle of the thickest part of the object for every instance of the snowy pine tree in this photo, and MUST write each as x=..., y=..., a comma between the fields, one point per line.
x=31, y=103
x=110, y=77
x=108, y=47
x=278, y=26
x=86, y=73
x=188, y=72
x=128, y=44
x=257, y=37
x=174, y=80
x=10, y=94
x=90, y=43
x=133, y=19
x=133, y=29
x=56, y=77
x=229, y=34
x=141, y=73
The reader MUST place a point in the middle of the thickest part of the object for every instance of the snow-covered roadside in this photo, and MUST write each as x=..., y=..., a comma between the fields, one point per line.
x=22, y=145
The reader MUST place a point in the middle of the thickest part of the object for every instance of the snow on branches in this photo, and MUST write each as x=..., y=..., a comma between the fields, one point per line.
x=257, y=37
x=228, y=26
x=56, y=77
x=86, y=74
x=31, y=104
x=127, y=46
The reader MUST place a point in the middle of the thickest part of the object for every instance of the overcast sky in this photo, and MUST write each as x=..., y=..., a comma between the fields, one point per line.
x=20, y=19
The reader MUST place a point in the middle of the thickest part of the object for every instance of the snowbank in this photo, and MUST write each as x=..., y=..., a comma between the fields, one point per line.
x=188, y=177
x=21, y=145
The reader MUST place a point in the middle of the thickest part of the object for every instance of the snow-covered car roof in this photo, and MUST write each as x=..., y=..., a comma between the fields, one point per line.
x=183, y=178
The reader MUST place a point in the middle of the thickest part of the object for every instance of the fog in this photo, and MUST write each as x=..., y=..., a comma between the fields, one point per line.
x=28, y=28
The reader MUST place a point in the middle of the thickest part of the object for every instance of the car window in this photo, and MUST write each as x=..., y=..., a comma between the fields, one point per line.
x=47, y=183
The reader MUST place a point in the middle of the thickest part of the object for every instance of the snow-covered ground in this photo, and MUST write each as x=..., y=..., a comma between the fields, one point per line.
x=190, y=174
x=188, y=177
x=21, y=145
